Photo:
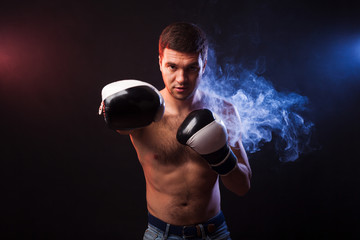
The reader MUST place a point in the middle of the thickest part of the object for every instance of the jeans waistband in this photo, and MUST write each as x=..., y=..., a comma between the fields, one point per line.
x=188, y=231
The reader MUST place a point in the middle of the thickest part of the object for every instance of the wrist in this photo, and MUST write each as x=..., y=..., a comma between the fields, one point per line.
x=226, y=165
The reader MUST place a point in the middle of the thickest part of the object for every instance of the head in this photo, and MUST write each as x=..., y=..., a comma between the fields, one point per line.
x=184, y=37
x=182, y=58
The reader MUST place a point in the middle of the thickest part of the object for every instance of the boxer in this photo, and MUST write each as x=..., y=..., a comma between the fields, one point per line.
x=182, y=144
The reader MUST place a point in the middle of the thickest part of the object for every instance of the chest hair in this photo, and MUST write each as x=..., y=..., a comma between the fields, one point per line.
x=159, y=140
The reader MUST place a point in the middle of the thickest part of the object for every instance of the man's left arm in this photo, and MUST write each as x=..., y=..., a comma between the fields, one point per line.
x=206, y=134
x=238, y=180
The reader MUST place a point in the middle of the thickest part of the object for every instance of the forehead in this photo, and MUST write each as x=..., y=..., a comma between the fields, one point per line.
x=170, y=55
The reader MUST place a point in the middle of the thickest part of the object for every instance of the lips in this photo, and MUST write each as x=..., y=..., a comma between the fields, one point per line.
x=180, y=89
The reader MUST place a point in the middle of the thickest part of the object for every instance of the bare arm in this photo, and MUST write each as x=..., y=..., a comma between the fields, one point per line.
x=122, y=132
x=238, y=180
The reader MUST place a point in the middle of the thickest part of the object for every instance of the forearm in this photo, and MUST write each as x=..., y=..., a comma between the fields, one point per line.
x=125, y=132
x=238, y=180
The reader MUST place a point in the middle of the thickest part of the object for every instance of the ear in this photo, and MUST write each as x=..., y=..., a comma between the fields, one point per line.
x=205, y=62
x=160, y=60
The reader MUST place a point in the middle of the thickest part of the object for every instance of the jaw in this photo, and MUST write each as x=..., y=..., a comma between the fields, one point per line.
x=175, y=102
x=182, y=95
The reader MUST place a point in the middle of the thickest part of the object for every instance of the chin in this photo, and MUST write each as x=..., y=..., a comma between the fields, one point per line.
x=183, y=96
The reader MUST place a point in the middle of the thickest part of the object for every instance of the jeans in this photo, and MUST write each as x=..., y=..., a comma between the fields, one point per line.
x=153, y=233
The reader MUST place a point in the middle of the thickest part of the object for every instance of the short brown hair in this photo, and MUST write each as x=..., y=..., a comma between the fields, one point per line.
x=184, y=37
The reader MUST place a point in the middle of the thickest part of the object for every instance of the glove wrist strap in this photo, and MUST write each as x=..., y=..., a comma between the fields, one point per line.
x=227, y=165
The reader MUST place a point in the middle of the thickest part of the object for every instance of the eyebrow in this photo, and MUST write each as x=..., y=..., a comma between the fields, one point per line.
x=190, y=64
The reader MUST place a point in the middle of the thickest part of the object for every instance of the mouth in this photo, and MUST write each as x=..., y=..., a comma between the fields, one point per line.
x=180, y=89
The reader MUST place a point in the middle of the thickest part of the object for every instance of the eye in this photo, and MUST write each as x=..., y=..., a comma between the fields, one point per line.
x=172, y=67
x=193, y=68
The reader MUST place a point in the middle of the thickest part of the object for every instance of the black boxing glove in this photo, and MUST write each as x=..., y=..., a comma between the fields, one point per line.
x=205, y=133
x=131, y=104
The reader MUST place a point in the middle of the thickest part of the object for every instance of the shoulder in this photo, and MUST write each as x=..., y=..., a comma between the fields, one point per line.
x=219, y=105
x=227, y=112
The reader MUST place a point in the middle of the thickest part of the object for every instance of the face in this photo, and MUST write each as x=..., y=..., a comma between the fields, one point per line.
x=181, y=72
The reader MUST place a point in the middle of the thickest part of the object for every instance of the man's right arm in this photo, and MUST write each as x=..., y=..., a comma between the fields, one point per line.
x=129, y=105
x=124, y=132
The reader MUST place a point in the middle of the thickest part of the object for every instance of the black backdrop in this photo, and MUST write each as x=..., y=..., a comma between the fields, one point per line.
x=64, y=175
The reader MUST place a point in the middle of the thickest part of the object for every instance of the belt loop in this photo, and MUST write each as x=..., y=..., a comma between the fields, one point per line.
x=203, y=235
x=166, y=233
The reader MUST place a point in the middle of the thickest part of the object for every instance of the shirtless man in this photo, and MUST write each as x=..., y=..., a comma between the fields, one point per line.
x=182, y=179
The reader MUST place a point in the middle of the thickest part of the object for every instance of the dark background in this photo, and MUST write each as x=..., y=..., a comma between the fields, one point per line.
x=64, y=175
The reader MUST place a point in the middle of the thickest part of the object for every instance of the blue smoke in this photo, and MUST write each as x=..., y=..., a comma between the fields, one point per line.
x=264, y=112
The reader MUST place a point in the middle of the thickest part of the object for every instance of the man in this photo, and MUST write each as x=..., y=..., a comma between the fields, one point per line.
x=183, y=149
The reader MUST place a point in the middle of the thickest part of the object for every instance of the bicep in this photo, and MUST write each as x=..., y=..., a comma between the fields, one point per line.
x=233, y=125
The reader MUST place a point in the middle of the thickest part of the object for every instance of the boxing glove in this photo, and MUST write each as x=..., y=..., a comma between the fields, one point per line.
x=206, y=134
x=131, y=104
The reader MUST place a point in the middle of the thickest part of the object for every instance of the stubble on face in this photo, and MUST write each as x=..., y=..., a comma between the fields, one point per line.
x=181, y=73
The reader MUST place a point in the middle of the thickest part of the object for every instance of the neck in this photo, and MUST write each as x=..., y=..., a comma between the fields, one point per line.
x=181, y=106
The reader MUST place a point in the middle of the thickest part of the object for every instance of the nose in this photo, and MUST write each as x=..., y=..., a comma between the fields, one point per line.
x=181, y=77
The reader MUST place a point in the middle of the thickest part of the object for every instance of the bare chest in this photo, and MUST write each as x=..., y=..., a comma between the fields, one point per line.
x=158, y=143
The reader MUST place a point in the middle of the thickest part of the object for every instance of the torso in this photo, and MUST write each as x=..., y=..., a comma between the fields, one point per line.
x=181, y=189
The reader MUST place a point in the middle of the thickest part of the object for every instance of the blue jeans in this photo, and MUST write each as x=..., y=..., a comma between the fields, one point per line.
x=154, y=233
